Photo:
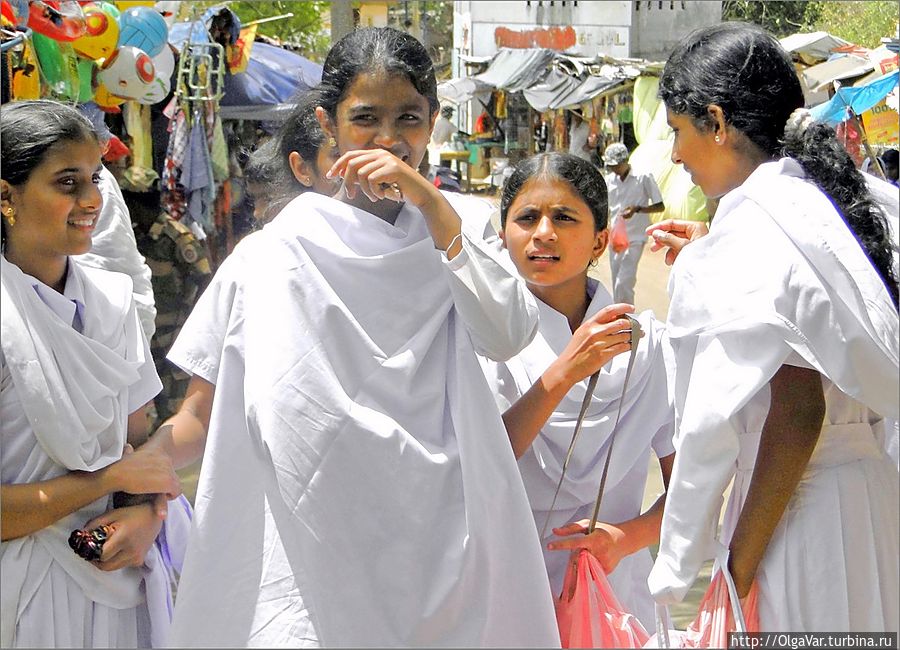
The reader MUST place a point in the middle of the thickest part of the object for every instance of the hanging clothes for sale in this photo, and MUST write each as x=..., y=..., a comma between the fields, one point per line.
x=197, y=175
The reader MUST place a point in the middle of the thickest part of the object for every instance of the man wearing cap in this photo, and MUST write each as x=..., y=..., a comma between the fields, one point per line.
x=631, y=197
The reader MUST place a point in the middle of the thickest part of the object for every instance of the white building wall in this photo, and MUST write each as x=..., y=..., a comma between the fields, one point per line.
x=600, y=27
x=657, y=26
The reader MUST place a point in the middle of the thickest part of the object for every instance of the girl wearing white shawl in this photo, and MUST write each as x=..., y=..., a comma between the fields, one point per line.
x=357, y=486
x=553, y=215
x=787, y=368
x=75, y=374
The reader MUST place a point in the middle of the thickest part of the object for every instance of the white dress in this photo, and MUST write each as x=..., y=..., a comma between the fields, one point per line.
x=65, y=395
x=647, y=423
x=814, y=300
x=358, y=487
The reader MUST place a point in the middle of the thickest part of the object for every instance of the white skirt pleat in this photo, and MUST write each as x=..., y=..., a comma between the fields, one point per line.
x=59, y=615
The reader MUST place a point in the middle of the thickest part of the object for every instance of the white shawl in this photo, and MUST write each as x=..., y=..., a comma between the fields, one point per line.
x=780, y=272
x=358, y=488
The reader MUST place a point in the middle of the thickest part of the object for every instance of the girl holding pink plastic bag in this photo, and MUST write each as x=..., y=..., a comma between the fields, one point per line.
x=787, y=370
x=554, y=225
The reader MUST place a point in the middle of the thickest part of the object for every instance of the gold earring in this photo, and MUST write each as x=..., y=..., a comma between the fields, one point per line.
x=718, y=139
x=332, y=142
x=11, y=216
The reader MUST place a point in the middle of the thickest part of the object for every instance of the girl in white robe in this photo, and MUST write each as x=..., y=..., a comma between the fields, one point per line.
x=553, y=215
x=784, y=323
x=75, y=375
x=357, y=486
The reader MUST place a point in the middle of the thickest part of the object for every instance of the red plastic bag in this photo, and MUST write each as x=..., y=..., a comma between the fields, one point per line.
x=589, y=614
x=618, y=236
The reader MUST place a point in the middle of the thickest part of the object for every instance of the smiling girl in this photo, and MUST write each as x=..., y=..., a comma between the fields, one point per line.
x=357, y=485
x=553, y=216
x=75, y=374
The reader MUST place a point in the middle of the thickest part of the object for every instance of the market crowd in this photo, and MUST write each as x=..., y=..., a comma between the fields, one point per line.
x=405, y=415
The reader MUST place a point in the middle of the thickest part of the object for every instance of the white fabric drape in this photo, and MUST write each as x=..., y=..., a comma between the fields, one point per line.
x=357, y=485
x=781, y=279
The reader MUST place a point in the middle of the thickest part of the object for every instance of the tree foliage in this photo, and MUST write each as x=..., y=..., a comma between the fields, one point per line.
x=862, y=23
x=780, y=18
x=303, y=31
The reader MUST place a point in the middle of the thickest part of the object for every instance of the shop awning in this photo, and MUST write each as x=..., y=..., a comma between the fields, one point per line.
x=847, y=66
x=513, y=70
x=813, y=47
x=860, y=99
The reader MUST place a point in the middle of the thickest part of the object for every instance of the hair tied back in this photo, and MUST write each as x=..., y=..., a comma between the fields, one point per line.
x=797, y=123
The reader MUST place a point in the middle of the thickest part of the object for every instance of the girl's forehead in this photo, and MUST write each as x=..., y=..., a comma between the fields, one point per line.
x=381, y=87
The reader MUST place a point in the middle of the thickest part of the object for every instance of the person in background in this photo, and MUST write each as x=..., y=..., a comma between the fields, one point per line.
x=114, y=246
x=889, y=164
x=631, y=197
x=267, y=182
x=305, y=151
x=579, y=132
x=787, y=377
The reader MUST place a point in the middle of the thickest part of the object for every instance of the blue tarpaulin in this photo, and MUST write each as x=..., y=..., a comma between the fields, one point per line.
x=860, y=99
x=264, y=91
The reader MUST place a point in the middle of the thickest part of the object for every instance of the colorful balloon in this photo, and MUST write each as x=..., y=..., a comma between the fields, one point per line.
x=112, y=9
x=106, y=100
x=85, y=81
x=26, y=80
x=15, y=11
x=164, y=63
x=101, y=33
x=61, y=21
x=143, y=28
x=159, y=90
x=128, y=72
x=59, y=67
x=128, y=4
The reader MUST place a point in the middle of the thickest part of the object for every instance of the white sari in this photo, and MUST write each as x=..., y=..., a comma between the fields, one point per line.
x=66, y=396
x=358, y=488
x=781, y=280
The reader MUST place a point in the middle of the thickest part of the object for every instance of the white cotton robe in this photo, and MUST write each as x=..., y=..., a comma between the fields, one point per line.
x=358, y=487
x=65, y=396
x=647, y=423
x=780, y=279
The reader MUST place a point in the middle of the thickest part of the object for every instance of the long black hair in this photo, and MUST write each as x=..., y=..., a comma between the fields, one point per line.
x=744, y=70
x=581, y=175
x=374, y=49
x=28, y=130
x=301, y=132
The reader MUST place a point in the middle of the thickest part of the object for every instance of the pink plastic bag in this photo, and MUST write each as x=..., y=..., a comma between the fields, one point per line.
x=589, y=614
x=618, y=236
x=715, y=619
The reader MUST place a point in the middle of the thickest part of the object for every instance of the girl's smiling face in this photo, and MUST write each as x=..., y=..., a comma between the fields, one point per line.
x=57, y=208
x=551, y=235
x=381, y=110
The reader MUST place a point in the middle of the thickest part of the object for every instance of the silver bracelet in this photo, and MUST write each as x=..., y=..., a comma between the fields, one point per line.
x=453, y=241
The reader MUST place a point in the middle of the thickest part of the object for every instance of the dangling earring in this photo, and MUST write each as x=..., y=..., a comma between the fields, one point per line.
x=11, y=216
x=332, y=142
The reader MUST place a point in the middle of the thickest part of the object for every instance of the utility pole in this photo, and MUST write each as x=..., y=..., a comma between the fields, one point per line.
x=341, y=19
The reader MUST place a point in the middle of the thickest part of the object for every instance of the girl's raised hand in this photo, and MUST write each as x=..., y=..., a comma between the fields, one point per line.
x=379, y=174
x=596, y=341
x=675, y=234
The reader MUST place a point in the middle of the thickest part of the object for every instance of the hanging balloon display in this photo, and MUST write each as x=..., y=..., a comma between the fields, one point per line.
x=144, y=28
x=164, y=63
x=128, y=72
x=128, y=4
x=85, y=81
x=101, y=33
x=107, y=101
x=61, y=21
x=113, y=10
x=59, y=67
x=26, y=79
x=158, y=91
x=15, y=11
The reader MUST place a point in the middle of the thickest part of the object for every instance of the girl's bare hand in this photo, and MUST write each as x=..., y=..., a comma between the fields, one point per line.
x=133, y=531
x=675, y=234
x=596, y=341
x=607, y=543
x=379, y=175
